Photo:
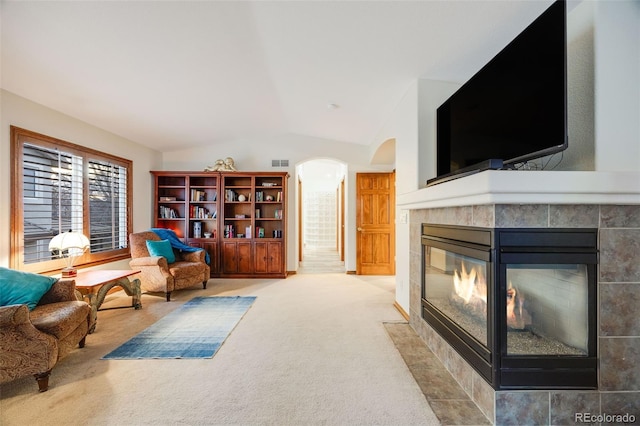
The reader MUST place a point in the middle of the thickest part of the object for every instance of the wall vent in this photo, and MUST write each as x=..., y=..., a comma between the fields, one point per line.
x=279, y=163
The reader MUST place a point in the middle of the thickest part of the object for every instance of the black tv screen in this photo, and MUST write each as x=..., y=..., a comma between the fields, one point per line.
x=515, y=108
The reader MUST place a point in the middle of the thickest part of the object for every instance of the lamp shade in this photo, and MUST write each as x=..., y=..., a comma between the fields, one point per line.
x=73, y=242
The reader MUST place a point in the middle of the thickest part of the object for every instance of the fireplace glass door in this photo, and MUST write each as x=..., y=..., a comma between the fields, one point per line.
x=457, y=287
x=547, y=309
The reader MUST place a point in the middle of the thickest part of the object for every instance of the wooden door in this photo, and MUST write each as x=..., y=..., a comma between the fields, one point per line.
x=341, y=198
x=375, y=224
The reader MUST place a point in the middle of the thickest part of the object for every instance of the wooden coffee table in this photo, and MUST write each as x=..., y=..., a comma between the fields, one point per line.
x=94, y=286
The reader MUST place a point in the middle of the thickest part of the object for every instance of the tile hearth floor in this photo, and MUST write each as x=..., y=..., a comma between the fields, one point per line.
x=448, y=401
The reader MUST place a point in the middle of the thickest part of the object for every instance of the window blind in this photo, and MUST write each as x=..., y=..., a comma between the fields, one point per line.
x=52, y=198
x=107, y=206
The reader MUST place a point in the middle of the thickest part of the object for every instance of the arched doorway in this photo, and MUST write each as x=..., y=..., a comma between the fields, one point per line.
x=321, y=216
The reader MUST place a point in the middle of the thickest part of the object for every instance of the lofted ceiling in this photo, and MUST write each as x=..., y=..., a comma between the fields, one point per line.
x=178, y=74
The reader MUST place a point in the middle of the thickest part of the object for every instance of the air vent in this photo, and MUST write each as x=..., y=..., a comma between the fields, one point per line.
x=279, y=163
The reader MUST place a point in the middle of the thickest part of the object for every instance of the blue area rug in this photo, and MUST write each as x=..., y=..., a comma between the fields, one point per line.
x=196, y=330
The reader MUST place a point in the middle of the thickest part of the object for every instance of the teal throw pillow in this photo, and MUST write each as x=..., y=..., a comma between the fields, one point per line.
x=161, y=248
x=19, y=288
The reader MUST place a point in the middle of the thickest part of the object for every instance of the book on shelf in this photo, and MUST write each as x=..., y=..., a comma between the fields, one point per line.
x=278, y=214
x=198, y=195
x=167, y=198
x=167, y=213
x=198, y=212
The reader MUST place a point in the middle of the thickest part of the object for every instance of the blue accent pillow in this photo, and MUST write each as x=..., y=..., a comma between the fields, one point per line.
x=161, y=248
x=20, y=288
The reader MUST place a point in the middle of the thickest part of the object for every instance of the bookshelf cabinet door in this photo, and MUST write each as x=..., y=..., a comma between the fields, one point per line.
x=268, y=257
x=236, y=257
x=210, y=247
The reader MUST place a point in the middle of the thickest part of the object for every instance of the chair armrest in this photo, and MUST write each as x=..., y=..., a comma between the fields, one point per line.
x=193, y=256
x=25, y=349
x=149, y=261
x=63, y=290
x=13, y=315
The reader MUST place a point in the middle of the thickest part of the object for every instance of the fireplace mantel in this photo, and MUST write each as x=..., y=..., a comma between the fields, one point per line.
x=528, y=187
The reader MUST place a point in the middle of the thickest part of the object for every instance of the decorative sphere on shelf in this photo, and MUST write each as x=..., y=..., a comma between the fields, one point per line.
x=241, y=197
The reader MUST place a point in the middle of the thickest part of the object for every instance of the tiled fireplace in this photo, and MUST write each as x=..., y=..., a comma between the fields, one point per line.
x=614, y=316
x=518, y=304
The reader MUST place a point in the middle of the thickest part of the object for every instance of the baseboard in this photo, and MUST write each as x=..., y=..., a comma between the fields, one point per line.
x=402, y=311
x=351, y=272
x=291, y=273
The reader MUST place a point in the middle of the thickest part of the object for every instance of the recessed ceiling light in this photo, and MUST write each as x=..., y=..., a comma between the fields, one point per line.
x=332, y=106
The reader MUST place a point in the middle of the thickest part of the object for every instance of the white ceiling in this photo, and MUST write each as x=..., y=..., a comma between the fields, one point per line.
x=174, y=74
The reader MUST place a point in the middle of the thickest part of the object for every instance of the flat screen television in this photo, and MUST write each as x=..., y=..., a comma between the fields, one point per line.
x=514, y=109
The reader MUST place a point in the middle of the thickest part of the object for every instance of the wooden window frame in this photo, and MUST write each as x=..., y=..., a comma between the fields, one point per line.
x=21, y=136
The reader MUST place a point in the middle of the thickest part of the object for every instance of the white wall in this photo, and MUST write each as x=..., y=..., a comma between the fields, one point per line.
x=256, y=155
x=617, y=85
x=403, y=127
x=580, y=96
x=23, y=113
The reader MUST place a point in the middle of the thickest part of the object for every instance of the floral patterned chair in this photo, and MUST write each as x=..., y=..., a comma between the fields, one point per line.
x=159, y=275
x=33, y=341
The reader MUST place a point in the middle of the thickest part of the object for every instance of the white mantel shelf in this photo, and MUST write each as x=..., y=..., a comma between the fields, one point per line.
x=527, y=187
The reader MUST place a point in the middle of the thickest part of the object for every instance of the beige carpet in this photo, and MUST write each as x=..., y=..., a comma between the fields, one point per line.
x=312, y=350
x=321, y=260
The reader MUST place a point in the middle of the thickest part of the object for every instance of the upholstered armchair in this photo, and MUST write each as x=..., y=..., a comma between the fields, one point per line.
x=157, y=275
x=34, y=341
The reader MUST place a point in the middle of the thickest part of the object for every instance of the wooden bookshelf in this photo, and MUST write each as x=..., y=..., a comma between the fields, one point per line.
x=239, y=218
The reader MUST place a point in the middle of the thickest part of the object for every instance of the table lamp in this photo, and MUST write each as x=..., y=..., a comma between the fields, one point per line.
x=71, y=244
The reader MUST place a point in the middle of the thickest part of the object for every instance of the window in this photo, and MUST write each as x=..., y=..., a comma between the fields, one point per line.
x=58, y=186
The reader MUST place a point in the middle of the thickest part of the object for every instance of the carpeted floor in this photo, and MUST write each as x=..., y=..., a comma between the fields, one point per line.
x=312, y=350
x=321, y=260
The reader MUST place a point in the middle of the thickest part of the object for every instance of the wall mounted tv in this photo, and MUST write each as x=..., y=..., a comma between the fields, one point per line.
x=514, y=109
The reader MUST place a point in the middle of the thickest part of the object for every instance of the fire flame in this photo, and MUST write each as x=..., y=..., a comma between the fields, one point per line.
x=471, y=285
x=464, y=283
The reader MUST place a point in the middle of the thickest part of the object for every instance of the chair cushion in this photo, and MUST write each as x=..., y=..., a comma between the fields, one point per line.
x=61, y=318
x=181, y=270
x=19, y=287
x=161, y=248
